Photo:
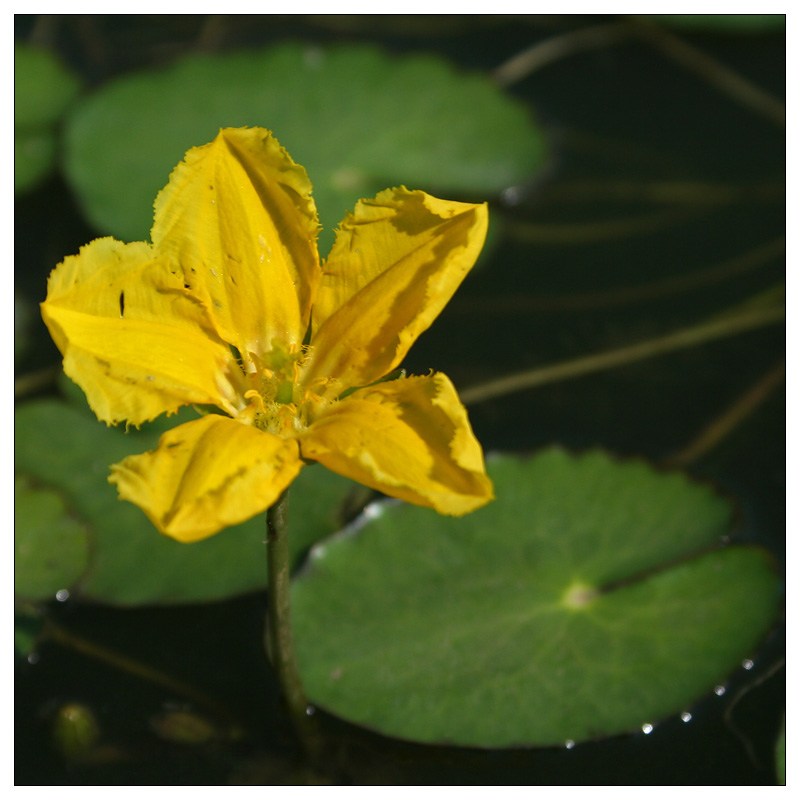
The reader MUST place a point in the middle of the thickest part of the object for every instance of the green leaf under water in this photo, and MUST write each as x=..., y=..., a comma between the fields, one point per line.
x=590, y=597
x=43, y=87
x=358, y=119
x=65, y=448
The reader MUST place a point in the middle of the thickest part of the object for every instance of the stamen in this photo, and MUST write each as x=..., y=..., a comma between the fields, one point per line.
x=277, y=401
x=256, y=395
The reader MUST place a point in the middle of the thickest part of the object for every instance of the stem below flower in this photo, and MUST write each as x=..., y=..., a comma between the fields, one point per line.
x=279, y=627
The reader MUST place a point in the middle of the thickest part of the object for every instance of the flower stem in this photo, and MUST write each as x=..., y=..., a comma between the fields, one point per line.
x=279, y=627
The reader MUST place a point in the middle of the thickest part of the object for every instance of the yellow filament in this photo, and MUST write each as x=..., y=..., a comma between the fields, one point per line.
x=255, y=395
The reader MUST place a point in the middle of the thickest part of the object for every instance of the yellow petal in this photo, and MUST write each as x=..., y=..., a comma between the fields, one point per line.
x=408, y=438
x=206, y=475
x=131, y=337
x=238, y=217
x=396, y=262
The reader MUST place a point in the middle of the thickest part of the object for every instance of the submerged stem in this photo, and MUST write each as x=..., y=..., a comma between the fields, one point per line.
x=686, y=337
x=281, y=645
x=141, y=670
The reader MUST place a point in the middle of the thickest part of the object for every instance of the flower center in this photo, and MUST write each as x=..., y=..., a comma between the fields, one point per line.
x=276, y=401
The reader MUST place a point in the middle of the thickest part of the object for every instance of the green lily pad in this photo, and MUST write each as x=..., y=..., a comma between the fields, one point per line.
x=65, y=448
x=358, y=119
x=50, y=545
x=589, y=598
x=43, y=89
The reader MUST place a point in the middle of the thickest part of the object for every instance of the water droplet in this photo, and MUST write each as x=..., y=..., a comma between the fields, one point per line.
x=373, y=511
x=719, y=691
x=319, y=550
x=62, y=595
x=747, y=664
x=33, y=658
x=310, y=711
x=647, y=728
x=686, y=717
x=569, y=744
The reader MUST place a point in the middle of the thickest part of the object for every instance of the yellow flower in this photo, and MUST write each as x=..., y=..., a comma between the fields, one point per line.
x=230, y=307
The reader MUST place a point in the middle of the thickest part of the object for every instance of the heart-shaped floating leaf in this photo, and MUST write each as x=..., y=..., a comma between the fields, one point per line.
x=43, y=89
x=131, y=563
x=50, y=546
x=356, y=118
x=590, y=597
